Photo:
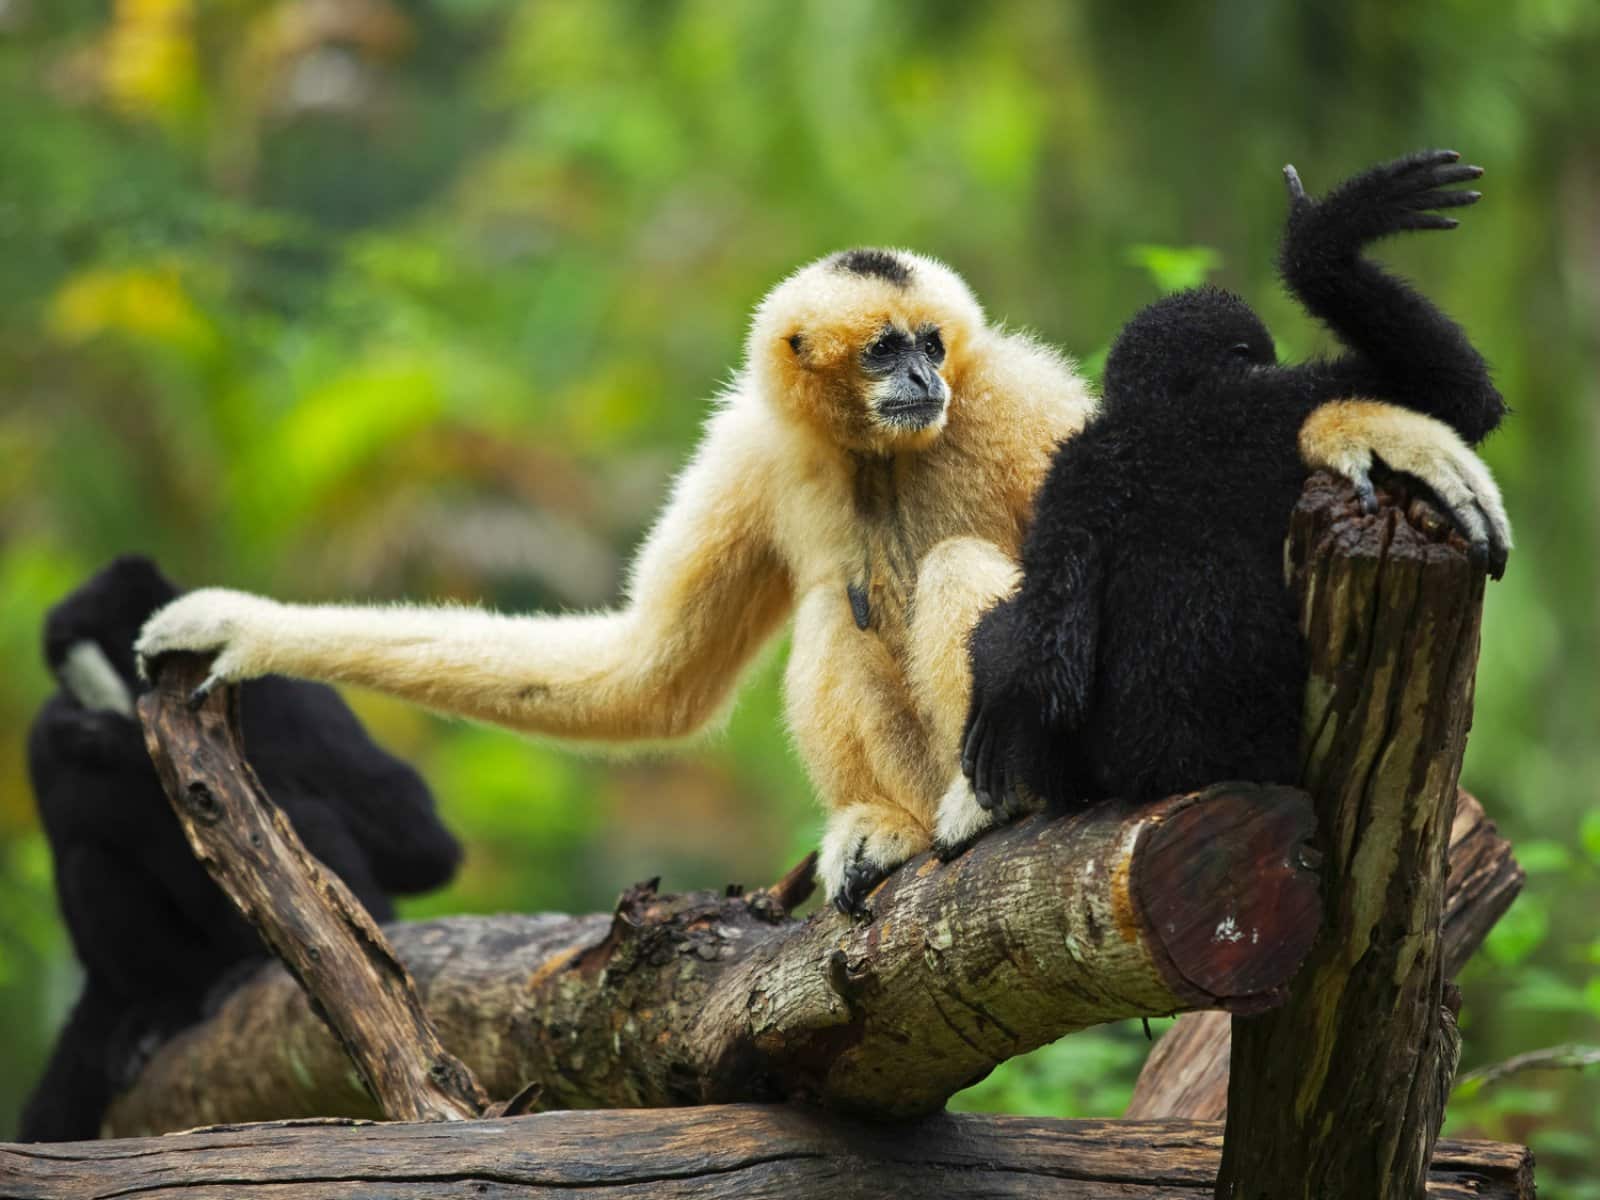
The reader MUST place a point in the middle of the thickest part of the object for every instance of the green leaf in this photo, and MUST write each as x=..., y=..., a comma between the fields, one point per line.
x=1544, y=991
x=1588, y=834
x=1540, y=858
x=1520, y=932
x=1174, y=268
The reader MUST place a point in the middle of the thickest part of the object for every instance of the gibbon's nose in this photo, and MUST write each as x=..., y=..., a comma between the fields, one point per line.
x=921, y=374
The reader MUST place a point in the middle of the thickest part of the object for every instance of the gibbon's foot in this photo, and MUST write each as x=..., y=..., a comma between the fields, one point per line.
x=1390, y=198
x=233, y=625
x=1352, y=438
x=861, y=847
x=962, y=820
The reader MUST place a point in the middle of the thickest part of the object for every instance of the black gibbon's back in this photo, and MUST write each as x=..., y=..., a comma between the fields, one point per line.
x=1152, y=647
x=157, y=940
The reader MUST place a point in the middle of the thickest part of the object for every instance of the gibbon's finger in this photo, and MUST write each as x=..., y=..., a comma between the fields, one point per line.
x=1421, y=160
x=1425, y=220
x=980, y=778
x=1441, y=176
x=984, y=783
x=969, y=743
x=1291, y=180
x=1499, y=550
x=1468, y=517
x=1366, y=494
x=1440, y=199
x=1007, y=804
x=201, y=693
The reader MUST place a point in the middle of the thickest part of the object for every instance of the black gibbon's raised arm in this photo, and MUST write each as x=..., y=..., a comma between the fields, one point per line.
x=1152, y=646
x=867, y=475
x=155, y=936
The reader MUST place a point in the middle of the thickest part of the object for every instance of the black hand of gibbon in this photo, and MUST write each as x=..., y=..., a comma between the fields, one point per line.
x=1030, y=689
x=1401, y=345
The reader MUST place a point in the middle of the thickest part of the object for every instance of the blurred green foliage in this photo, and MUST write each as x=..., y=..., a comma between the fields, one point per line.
x=389, y=298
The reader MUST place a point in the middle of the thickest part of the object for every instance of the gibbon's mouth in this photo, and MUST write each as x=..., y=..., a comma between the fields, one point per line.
x=911, y=414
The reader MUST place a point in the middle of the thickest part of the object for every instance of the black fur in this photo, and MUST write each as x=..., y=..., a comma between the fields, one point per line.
x=1152, y=647
x=876, y=264
x=157, y=939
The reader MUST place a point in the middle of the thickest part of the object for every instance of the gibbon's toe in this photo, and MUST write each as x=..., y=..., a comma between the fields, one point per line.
x=860, y=877
x=862, y=846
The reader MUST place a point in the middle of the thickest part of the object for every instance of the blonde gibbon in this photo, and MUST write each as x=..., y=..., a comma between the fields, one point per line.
x=867, y=475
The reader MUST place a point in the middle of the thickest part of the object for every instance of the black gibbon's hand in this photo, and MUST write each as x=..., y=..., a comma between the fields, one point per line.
x=1007, y=738
x=1388, y=199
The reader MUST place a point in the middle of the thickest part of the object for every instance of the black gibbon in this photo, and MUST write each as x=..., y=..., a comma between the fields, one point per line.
x=1153, y=646
x=158, y=941
x=868, y=475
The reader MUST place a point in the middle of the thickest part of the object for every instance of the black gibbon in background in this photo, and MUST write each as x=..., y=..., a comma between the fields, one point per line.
x=158, y=941
x=1153, y=647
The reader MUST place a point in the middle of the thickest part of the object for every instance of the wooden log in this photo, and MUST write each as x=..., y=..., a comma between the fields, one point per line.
x=305, y=913
x=673, y=1154
x=1186, y=1074
x=1043, y=928
x=1341, y=1092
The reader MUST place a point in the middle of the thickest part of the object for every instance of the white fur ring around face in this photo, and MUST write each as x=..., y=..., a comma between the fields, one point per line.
x=233, y=625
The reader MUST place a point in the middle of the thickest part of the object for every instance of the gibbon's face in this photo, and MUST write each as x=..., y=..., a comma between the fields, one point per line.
x=866, y=347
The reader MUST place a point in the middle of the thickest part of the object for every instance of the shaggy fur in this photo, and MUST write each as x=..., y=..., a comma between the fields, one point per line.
x=150, y=927
x=1153, y=647
x=868, y=475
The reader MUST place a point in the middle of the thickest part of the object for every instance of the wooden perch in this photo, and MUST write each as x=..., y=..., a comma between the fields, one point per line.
x=1186, y=1074
x=712, y=1153
x=1046, y=927
x=1341, y=1092
x=305, y=913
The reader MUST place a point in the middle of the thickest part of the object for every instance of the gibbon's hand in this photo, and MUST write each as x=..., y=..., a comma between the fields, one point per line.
x=1388, y=199
x=861, y=847
x=234, y=625
x=1350, y=437
x=1006, y=740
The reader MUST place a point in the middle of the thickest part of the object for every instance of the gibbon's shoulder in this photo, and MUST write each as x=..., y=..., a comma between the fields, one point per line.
x=1015, y=379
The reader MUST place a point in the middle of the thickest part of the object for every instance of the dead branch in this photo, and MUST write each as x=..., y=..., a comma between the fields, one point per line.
x=305, y=913
x=708, y=1153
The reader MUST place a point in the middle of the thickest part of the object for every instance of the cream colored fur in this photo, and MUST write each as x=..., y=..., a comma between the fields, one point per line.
x=1346, y=435
x=795, y=492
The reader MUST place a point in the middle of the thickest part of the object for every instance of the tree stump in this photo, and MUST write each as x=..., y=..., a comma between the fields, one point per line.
x=1341, y=1092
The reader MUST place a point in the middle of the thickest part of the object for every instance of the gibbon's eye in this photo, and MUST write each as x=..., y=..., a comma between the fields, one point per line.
x=1240, y=350
x=933, y=347
x=889, y=346
x=795, y=342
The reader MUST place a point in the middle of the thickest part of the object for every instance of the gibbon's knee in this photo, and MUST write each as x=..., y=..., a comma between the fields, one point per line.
x=957, y=582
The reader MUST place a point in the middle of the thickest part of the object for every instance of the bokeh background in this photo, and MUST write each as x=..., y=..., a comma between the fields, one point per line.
x=410, y=298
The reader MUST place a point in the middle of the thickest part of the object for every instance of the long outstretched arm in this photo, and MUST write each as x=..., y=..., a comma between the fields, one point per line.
x=1404, y=348
x=707, y=590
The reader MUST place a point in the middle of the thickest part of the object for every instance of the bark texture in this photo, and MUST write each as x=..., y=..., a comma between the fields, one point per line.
x=306, y=914
x=1043, y=928
x=707, y=1153
x=1186, y=1074
x=1340, y=1093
